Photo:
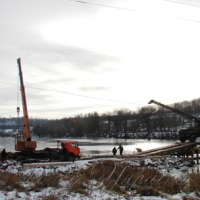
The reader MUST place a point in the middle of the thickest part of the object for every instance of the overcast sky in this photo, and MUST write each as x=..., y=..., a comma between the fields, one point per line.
x=102, y=55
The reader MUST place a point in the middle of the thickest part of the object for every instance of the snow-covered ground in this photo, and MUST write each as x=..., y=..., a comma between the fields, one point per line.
x=172, y=166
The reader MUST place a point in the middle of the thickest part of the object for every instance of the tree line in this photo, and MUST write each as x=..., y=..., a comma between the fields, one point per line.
x=148, y=121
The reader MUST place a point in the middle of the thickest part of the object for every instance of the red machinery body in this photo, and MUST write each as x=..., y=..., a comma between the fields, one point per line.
x=71, y=146
x=69, y=150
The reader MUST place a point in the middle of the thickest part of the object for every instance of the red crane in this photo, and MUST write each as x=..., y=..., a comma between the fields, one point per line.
x=24, y=142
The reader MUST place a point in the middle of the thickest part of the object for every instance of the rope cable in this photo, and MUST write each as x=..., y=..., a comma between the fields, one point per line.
x=188, y=4
x=18, y=108
x=92, y=97
x=171, y=1
x=98, y=4
x=17, y=93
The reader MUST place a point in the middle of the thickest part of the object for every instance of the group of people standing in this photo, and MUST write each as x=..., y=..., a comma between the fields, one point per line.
x=114, y=151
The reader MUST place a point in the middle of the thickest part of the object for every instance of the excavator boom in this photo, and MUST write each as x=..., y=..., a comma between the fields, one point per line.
x=190, y=132
x=176, y=111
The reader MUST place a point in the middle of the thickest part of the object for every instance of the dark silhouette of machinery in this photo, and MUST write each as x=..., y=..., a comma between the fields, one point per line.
x=190, y=130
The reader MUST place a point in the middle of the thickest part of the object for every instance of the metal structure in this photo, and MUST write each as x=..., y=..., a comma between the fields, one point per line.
x=24, y=142
x=26, y=148
x=190, y=131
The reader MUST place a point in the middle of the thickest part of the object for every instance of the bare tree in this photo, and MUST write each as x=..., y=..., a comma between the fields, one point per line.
x=145, y=114
x=92, y=121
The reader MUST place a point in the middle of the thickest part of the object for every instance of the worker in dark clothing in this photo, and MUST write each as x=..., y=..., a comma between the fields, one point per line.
x=65, y=152
x=114, y=151
x=120, y=149
x=3, y=155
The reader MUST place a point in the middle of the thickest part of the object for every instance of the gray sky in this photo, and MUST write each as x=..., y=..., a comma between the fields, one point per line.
x=77, y=56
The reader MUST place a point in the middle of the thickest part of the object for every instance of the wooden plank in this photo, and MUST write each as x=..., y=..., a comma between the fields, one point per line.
x=168, y=150
x=47, y=164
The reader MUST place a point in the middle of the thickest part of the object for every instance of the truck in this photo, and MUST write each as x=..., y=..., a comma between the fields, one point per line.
x=25, y=147
x=190, y=130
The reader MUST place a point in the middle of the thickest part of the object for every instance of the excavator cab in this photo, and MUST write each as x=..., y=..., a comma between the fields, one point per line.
x=189, y=125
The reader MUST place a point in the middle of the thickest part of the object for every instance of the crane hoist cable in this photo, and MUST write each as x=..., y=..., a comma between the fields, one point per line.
x=18, y=108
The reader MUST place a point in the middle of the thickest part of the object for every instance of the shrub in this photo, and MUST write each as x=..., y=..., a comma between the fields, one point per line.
x=44, y=181
x=79, y=185
x=50, y=197
x=194, y=180
x=147, y=191
x=121, y=177
x=10, y=182
x=186, y=197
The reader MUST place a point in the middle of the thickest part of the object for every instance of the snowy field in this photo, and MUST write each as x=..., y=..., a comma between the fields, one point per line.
x=95, y=189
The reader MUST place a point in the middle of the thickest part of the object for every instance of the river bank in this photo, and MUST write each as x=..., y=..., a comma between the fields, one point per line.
x=102, y=179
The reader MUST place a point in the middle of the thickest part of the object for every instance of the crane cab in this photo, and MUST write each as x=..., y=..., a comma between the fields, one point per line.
x=22, y=145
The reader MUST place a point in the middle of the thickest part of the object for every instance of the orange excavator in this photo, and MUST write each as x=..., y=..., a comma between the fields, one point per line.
x=26, y=148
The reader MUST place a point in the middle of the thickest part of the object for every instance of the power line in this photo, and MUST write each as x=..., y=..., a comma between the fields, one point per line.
x=69, y=93
x=97, y=4
x=191, y=20
x=182, y=3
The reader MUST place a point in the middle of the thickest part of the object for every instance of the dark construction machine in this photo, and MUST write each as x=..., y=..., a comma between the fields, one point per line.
x=189, y=131
x=26, y=148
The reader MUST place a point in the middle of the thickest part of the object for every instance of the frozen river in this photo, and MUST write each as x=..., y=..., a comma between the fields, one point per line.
x=93, y=145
